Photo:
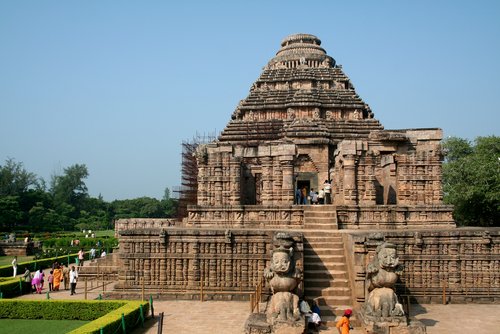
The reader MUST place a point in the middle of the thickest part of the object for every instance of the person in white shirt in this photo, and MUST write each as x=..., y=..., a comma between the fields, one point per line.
x=73, y=276
x=327, y=186
x=92, y=253
x=103, y=254
x=14, y=265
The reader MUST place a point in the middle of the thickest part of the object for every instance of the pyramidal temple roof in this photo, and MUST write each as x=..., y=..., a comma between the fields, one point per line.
x=300, y=90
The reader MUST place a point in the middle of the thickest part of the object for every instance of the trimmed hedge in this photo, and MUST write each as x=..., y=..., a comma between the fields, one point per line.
x=10, y=287
x=57, y=309
x=102, y=314
x=112, y=322
x=6, y=271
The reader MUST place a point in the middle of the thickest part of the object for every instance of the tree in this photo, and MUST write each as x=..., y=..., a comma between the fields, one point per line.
x=10, y=213
x=166, y=194
x=70, y=188
x=15, y=180
x=471, y=180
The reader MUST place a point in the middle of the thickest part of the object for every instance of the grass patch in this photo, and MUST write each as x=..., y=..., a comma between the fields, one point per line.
x=23, y=326
x=7, y=260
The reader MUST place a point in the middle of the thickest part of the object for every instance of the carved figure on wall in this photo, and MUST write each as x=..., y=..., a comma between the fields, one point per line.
x=283, y=279
x=382, y=274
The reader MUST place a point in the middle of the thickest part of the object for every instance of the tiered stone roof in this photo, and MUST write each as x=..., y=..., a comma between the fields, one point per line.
x=300, y=94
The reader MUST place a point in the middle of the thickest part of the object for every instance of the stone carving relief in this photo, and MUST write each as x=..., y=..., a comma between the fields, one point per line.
x=316, y=113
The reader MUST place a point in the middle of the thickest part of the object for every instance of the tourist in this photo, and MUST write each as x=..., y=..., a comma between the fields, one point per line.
x=65, y=273
x=315, y=198
x=103, y=254
x=58, y=276
x=328, y=189
x=298, y=195
x=27, y=278
x=14, y=266
x=315, y=318
x=92, y=253
x=81, y=257
x=343, y=325
x=303, y=195
x=312, y=193
x=51, y=280
x=321, y=197
x=38, y=280
x=73, y=276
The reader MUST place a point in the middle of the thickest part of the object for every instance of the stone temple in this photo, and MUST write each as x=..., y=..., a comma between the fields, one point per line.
x=301, y=124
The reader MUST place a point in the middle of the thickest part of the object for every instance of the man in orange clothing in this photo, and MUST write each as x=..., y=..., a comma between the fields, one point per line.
x=343, y=325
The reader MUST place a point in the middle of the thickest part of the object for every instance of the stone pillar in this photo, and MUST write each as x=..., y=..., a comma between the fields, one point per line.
x=218, y=179
x=287, y=193
x=267, y=168
x=235, y=181
x=350, y=192
x=277, y=181
x=370, y=192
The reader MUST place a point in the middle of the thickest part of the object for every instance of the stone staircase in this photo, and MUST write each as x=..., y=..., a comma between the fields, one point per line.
x=325, y=269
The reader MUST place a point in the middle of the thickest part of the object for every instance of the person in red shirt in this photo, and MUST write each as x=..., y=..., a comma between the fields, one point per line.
x=343, y=325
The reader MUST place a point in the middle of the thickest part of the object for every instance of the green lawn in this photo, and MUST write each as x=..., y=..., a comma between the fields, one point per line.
x=22, y=326
x=7, y=260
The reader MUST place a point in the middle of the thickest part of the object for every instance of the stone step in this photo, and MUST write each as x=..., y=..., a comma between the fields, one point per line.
x=321, y=207
x=329, y=226
x=324, y=269
x=312, y=240
x=330, y=274
x=320, y=214
x=319, y=234
x=323, y=244
x=339, y=257
x=319, y=282
x=331, y=297
x=330, y=294
x=323, y=251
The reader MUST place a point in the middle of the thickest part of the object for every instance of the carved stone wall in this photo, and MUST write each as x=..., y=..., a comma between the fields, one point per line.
x=143, y=223
x=181, y=260
x=252, y=216
x=394, y=217
x=464, y=263
x=222, y=170
x=391, y=167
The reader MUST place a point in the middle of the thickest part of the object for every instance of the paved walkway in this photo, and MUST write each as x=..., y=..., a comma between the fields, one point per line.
x=195, y=317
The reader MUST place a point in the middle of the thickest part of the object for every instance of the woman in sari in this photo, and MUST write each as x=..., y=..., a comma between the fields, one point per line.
x=57, y=278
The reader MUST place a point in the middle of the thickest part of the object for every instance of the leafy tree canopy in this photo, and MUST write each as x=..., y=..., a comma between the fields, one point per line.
x=471, y=180
x=26, y=205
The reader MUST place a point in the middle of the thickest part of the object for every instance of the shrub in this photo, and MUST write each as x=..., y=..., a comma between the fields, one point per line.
x=103, y=314
x=12, y=287
x=57, y=309
x=111, y=323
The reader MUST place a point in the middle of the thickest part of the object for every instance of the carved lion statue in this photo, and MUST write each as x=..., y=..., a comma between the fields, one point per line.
x=382, y=274
x=283, y=278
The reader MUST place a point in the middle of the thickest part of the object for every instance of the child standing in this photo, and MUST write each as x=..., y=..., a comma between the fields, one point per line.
x=51, y=280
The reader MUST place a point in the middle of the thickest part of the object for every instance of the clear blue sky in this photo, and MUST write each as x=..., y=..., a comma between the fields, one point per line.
x=118, y=85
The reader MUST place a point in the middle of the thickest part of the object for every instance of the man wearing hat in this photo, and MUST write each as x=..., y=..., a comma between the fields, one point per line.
x=343, y=325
